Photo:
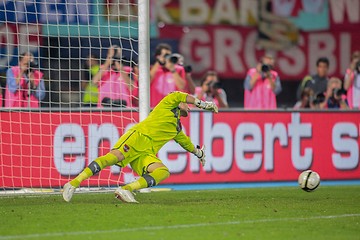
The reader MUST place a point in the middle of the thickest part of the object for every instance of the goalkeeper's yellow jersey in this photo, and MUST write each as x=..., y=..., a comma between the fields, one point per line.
x=163, y=123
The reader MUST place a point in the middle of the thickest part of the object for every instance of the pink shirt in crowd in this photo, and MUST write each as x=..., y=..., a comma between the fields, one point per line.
x=113, y=86
x=20, y=98
x=261, y=96
x=163, y=84
x=353, y=94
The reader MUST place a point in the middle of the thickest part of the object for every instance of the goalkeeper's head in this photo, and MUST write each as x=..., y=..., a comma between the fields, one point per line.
x=184, y=109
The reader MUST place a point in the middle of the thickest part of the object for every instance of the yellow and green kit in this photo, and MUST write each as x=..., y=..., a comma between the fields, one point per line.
x=142, y=142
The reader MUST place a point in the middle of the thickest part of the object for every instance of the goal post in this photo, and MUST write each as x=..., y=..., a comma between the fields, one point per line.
x=144, y=58
x=72, y=103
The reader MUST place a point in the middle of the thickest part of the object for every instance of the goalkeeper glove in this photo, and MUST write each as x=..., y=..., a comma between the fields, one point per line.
x=200, y=153
x=206, y=105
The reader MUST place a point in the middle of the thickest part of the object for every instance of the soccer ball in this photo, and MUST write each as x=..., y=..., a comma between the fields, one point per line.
x=309, y=180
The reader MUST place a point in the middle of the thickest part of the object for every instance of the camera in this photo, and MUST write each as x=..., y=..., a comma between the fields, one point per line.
x=338, y=92
x=172, y=58
x=188, y=69
x=32, y=66
x=318, y=98
x=116, y=59
x=214, y=85
x=117, y=56
x=265, y=68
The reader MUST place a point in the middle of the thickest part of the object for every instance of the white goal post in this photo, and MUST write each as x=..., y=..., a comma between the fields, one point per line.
x=144, y=58
x=74, y=78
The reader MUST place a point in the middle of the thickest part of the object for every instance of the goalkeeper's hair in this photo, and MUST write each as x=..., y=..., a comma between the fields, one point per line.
x=160, y=47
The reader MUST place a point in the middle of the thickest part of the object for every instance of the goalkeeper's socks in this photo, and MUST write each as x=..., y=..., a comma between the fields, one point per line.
x=136, y=185
x=159, y=175
x=86, y=173
x=149, y=180
x=94, y=167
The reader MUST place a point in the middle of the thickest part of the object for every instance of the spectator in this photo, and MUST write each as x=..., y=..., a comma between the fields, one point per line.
x=190, y=85
x=335, y=97
x=306, y=100
x=317, y=101
x=24, y=83
x=262, y=84
x=210, y=90
x=91, y=91
x=133, y=71
x=165, y=75
x=114, y=82
x=352, y=81
x=317, y=82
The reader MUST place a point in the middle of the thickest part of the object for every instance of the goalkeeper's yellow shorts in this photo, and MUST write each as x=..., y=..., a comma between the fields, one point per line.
x=137, y=150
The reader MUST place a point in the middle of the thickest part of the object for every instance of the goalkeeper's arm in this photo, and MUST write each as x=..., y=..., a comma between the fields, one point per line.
x=186, y=143
x=202, y=104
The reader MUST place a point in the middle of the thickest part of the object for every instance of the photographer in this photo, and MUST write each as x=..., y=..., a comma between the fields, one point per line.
x=352, y=81
x=114, y=82
x=335, y=97
x=262, y=84
x=190, y=85
x=306, y=100
x=165, y=74
x=24, y=84
x=210, y=90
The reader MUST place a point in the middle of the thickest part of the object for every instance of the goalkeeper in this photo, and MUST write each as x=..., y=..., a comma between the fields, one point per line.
x=139, y=146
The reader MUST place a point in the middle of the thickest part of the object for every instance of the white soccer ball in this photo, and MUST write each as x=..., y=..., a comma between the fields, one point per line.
x=309, y=180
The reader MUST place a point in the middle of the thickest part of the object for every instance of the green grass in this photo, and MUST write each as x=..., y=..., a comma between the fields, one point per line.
x=259, y=213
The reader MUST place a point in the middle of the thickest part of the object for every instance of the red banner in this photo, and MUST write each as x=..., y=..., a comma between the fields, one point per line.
x=231, y=50
x=46, y=149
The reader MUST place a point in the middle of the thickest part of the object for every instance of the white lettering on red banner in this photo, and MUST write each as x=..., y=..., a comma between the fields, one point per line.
x=231, y=51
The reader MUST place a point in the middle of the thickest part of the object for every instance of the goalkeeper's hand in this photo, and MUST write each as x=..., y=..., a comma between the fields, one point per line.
x=200, y=153
x=206, y=105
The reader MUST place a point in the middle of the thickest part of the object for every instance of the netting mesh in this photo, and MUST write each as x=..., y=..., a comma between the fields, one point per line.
x=69, y=89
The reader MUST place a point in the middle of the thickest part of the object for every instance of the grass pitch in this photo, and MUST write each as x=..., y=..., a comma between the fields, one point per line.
x=258, y=213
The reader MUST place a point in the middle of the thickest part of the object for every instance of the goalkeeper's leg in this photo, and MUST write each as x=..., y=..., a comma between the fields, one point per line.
x=94, y=167
x=155, y=173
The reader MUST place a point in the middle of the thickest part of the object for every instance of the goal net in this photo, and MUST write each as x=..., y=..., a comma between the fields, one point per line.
x=69, y=82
